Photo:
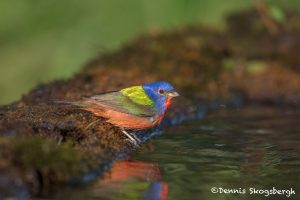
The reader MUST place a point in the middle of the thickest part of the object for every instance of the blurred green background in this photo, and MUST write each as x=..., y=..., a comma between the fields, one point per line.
x=45, y=40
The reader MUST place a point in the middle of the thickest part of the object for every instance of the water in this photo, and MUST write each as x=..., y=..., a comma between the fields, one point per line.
x=231, y=149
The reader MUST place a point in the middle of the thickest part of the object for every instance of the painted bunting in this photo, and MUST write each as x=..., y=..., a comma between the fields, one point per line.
x=134, y=108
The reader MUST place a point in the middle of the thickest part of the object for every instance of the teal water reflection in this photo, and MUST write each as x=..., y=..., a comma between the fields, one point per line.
x=234, y=149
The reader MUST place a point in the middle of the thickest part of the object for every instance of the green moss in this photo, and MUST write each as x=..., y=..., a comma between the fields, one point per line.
x=48, y=157
x=256, y=67
x=228, y=63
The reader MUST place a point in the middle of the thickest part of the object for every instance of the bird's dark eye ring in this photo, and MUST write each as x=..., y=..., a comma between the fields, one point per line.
x=161, y=91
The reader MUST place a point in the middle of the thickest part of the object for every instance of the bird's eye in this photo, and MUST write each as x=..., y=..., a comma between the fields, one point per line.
x=161, y=91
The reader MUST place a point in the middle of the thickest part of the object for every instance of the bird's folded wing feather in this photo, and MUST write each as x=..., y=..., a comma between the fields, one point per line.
x=123, y=102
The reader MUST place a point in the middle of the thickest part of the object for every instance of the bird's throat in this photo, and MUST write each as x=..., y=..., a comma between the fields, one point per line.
x=168, y=103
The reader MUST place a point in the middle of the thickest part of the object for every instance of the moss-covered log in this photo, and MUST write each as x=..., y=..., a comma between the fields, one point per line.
x=44, y=144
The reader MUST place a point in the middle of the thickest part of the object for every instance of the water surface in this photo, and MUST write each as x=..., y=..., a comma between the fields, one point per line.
x=231, y=149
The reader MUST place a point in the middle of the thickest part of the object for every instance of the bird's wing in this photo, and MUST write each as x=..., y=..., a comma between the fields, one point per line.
x=126, y=102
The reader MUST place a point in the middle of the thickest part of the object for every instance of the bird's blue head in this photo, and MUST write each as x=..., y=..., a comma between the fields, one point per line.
x=161, y=93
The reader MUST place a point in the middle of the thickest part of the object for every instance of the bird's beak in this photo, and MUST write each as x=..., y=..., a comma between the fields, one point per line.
x=173, y=94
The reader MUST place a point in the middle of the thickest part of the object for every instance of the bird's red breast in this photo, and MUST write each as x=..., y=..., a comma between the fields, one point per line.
x=124, y=120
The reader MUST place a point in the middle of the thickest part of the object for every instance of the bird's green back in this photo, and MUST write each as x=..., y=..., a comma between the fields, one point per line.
x=138, y=95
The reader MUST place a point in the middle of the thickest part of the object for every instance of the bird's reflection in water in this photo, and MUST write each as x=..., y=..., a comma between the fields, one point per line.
x=131, y=180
